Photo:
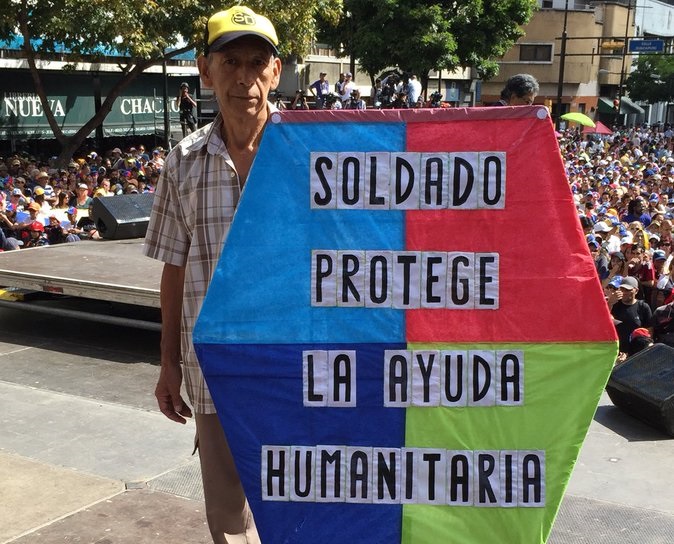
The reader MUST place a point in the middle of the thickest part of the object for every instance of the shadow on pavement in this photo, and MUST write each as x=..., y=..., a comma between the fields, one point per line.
x=623, y=424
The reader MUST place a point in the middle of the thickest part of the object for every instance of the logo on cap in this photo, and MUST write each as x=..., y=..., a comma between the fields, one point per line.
x=243, y=19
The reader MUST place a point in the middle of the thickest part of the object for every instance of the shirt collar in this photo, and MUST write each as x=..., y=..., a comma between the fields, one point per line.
x=215, y=145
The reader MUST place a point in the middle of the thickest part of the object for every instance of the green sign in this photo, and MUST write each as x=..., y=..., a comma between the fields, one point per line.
x=139, y=110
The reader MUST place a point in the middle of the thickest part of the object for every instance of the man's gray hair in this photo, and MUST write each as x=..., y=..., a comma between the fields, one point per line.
x=520, y=85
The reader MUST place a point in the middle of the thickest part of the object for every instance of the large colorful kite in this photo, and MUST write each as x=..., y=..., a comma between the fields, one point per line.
x=405, y=337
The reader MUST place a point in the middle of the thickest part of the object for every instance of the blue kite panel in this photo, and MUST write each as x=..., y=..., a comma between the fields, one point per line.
x=275, y=292
x=237, y=374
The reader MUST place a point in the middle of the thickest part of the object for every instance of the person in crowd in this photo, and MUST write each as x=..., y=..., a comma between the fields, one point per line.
x=601, y=257
x=663, y=323
x=413, y=90
x=62, y=201
x=636, y=212
x=82, y=200
x=34, y=214
x=210, y=166
x=332, y=102
x=9, y=239
x=356, y=102
x=346, y=88
x=339, y=83
x=519, y=90
x=320, y=89
x=186, y=104
x=157, y=159
x=104, y=187
x=628, y=312
x=39, y=198
x=17, y=200
x=57, y=234
x=640, y=339
x=84, y=227
x=618, y=267
x=36, y=235
x=300, y=101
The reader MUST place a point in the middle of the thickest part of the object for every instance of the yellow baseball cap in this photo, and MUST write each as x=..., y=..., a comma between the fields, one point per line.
x=236, y=22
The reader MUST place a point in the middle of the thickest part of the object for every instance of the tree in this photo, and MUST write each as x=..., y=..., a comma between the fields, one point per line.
x=421, y=35
x=653, y=79
x=142, y=32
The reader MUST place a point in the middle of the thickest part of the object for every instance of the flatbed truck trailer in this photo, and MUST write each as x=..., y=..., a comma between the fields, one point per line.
x=115, y=271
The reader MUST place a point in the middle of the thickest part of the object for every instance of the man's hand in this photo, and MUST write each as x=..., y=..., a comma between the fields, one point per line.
x=167, y=391
x=171, y=404
x=614, y=297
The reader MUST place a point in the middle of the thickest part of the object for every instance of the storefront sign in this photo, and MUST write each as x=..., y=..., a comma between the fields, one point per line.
x=140, y=110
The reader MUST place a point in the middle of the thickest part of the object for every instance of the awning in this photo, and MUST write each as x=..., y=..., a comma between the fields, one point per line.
x=627, y=103
x=627, y=106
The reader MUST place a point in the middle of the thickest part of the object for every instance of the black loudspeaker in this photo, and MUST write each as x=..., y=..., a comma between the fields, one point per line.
x=123, y=216
x=643, y=386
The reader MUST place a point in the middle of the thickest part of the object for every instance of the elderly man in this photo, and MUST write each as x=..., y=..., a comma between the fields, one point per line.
x=519, y=90
x=196, y=197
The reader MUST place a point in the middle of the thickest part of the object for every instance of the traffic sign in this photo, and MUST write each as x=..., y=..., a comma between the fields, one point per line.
x=646, y=46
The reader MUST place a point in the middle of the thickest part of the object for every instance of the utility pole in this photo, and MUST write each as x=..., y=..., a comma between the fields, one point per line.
x=167, y=120
x=562, y=61
x=622, y=66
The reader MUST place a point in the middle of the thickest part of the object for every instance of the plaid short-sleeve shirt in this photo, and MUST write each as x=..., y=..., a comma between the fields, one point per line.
x=194, y=205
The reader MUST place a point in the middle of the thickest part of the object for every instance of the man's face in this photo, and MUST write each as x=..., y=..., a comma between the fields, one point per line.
x=524, y=100
x=628, y=294
x=241, y=74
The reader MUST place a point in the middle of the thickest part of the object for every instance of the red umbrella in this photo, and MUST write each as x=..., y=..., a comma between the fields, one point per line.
x=599, y=128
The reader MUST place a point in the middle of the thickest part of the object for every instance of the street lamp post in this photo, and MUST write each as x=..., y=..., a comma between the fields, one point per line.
x=562, y=61
x=622, y=66
x=167, y=119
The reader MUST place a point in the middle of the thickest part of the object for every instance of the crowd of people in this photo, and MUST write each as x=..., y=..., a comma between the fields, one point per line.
x=623, y=186
x=394, y=91
x=43, y=205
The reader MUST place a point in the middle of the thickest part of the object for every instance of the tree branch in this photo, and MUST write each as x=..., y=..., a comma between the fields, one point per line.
x=37, y=80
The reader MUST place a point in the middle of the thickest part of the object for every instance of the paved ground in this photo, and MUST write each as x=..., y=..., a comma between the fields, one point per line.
x=86, y=458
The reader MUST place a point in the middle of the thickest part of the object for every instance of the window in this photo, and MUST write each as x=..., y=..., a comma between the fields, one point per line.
x=547, y=4
x=536, y=52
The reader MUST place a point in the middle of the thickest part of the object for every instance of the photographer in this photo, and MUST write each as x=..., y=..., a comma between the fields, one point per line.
x=186, y=105
x=436, y=99
x=300, y=101
x=388, y=94
x=332, y=102
x=356, y=102
x=277, y=97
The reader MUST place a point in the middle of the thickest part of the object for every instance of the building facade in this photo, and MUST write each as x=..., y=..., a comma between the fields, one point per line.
x=596, y=56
